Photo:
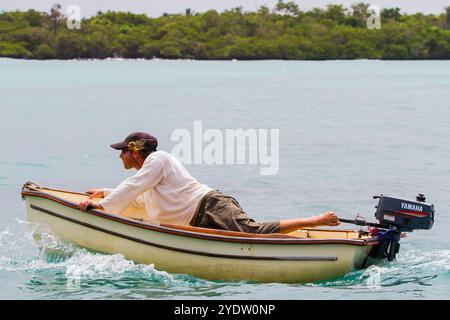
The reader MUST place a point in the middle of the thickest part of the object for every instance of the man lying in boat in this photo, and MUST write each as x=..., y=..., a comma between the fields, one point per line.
x=171, y=195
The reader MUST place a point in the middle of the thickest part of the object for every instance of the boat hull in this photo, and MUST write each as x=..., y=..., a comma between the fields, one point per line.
x=213, y=258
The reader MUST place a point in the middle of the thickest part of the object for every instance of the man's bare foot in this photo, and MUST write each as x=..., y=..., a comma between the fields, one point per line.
x=328, y=219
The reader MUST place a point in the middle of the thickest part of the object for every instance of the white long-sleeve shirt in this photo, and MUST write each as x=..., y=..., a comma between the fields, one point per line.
x=164, y=186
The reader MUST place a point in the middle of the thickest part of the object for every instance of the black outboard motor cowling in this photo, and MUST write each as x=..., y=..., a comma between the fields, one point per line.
x=405, y=215
x=399, y=215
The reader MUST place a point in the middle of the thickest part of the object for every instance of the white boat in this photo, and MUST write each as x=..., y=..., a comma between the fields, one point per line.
x=306, y=255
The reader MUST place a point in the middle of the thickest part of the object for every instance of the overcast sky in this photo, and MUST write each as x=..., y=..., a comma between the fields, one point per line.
x=155, y=8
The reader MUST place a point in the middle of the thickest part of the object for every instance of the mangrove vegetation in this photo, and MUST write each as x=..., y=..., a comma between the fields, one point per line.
x=282, y=32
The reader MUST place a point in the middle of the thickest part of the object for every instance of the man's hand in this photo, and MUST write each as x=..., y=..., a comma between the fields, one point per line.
x=84, y=205
x=328, y=219
x=96, y=193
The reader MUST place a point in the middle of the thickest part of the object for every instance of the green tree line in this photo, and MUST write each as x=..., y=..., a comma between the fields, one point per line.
x=282, y=32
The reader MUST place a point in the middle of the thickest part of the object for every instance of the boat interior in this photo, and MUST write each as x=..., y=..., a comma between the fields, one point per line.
x=139, y=215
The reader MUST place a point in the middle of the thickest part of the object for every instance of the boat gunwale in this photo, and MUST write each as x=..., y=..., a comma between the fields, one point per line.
x=170, y=229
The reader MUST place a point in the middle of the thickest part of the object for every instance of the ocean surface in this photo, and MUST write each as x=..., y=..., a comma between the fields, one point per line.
x=348, y=130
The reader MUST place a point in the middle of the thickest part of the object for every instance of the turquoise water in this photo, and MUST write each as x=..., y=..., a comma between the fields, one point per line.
x=348, y=130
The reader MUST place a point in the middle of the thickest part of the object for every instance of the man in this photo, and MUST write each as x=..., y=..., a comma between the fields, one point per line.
x=171, y=195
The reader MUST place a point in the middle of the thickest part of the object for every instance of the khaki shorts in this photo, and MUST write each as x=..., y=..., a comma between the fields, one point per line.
x=219, y=211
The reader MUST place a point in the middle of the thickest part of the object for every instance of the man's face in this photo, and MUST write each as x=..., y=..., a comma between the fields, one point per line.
x=127, y=158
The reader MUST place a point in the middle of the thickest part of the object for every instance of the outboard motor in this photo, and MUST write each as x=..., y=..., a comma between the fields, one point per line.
x=405, y=215
x=399, y=215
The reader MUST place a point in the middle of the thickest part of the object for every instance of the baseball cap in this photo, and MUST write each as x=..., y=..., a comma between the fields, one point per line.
x=150, y=142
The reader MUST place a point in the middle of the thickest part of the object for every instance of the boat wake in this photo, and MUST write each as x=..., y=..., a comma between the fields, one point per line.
x=48, y=261
x=20, y=251
x=411, y=266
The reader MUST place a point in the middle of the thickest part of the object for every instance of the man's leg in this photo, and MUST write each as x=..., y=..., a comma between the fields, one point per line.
x=224, y=212
x=326, y=219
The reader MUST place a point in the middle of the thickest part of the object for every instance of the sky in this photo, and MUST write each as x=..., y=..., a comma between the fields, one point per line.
x=155, y=8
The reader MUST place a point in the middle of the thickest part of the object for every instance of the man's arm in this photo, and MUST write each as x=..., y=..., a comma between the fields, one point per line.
x=84, y=205
x=139, y=202
x=98, y=193
x=131, y=188
x=94, y=193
